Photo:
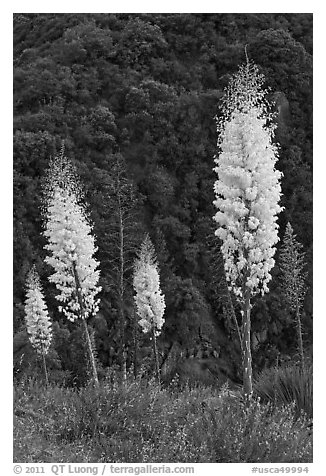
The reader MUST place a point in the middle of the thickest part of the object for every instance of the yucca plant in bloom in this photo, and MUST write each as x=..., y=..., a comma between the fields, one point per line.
x=37, y=319
x=247, y=195
x=150, y=303
x=293, y=278
x=71, y=246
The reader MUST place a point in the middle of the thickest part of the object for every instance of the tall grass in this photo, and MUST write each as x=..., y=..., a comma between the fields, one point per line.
x=286, y=385
x=140, y=422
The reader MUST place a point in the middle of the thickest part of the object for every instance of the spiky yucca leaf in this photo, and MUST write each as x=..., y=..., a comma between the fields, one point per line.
x=285, y=385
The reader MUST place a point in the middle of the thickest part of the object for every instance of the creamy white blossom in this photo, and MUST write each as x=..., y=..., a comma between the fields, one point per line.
x=248, y=186
x=71, y=245
x=150, y=303
x=37, y=319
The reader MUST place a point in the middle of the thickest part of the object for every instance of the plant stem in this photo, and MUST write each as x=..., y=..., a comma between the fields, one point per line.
x=90, y=352
x=121, y=287
x=45, y=370
x=246, y=352
x=82, y=315
x=234, y=317
x=300, y=340
x=157, y=368
x=135, y=343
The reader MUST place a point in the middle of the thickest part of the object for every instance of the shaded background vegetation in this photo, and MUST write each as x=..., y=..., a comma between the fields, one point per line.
x=144, y=88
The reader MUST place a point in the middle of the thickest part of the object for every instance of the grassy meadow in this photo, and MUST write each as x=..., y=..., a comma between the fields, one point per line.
x=142, y=421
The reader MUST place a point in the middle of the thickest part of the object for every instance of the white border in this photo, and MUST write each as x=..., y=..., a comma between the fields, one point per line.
x=319, y=194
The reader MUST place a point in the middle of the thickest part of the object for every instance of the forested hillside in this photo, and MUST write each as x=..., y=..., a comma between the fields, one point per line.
x=136, y=94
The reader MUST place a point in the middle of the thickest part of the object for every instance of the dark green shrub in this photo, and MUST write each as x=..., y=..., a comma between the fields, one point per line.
x=286, y=385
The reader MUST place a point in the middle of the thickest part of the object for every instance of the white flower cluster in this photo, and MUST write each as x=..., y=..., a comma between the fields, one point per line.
x=37, y=319
x=71, y=246
x=62, y=175
x=244, y=92
x=247, y=194
x=149, y=300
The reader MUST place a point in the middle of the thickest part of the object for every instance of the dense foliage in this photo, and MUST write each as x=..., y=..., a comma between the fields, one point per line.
x=286, y=385
x=144, y=88
x=141, y=422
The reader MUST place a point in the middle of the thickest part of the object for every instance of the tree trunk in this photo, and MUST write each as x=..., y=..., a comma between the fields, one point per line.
x=157, y=367
x=82, y=315
x=300, y=340
x=246, y=351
